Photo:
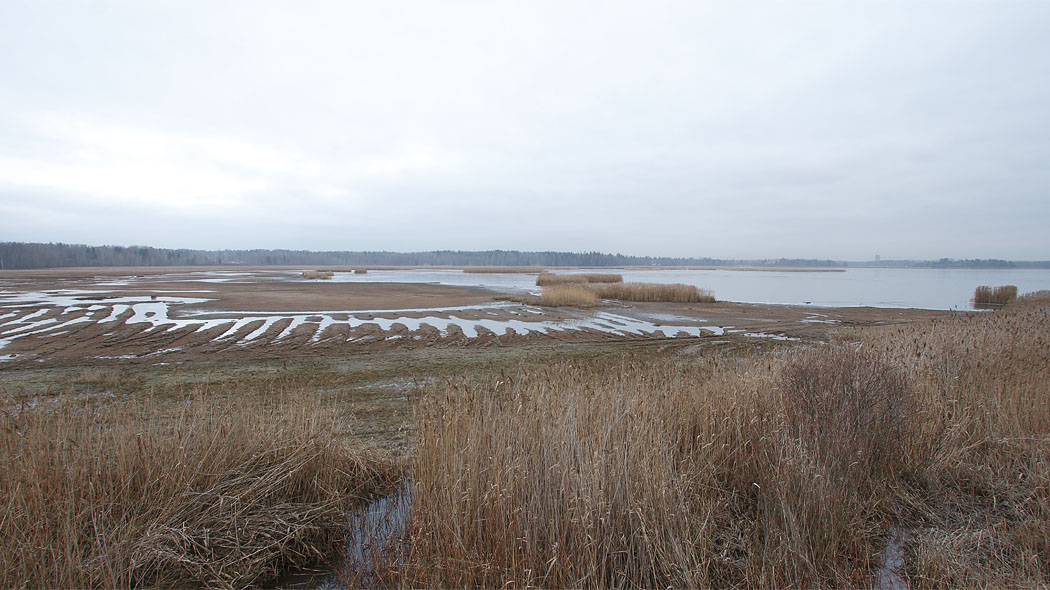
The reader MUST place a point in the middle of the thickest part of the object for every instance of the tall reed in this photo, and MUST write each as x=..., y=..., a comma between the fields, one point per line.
x=654, y=292
x=546, y=279
x=503, y=269
x=988, y=297
x=752, y=470
x=212, y=493
x=567, y=295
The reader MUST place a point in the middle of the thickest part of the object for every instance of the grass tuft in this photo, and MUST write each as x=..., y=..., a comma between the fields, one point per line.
x=317, y=274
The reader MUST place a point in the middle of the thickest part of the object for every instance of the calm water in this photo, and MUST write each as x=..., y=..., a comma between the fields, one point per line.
x=877, y=287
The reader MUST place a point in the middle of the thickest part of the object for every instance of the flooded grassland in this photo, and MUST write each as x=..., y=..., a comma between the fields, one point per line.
x=229, y=427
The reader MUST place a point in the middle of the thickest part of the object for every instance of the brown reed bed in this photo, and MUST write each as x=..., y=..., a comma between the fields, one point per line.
x=985, y=297
x=210, y=492
x=765, y=470
x=982, y=504
x=317, y=274
x=503, y=269
x=546, y=279
x=653, y=292
x=570, y=295
x=360, y=271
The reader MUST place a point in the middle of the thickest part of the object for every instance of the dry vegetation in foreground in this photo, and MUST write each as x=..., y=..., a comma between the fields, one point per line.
x=547, y=278
x=653, y=292
x=567, y=296
x=317, y=274
x=985, y=297
x=765, y=471
x=214, y=494
x=503, y=269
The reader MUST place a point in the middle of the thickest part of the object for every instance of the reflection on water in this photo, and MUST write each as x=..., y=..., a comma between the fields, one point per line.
x=378, y=533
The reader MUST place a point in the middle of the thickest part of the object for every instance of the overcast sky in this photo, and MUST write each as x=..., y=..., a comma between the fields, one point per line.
x=734, y=129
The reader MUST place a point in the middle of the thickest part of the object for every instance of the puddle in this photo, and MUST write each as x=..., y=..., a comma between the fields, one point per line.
x=889, y=575
x=378, y=533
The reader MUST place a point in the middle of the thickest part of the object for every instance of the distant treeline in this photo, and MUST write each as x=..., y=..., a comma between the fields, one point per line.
x=17, y=255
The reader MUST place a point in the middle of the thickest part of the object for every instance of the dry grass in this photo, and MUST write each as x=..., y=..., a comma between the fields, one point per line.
x=546, y=279
x=638, y=473
x=212, y=493
x=765, y=471
x=985, y=297
x=503, y=269
x=652, y=292
x=360, y=271
x=567, y=295
x=982, y=504
x=317, y=274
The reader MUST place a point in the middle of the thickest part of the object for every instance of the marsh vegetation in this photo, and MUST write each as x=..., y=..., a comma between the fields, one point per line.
x=745, y=464
x=205, y=490
x=745, y=470
x=547, y=279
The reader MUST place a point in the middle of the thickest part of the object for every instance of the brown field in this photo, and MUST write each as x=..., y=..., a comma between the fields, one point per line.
x=145, y=454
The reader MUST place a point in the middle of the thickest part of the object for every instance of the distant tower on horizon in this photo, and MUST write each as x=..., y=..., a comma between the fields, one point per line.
x=878, y=258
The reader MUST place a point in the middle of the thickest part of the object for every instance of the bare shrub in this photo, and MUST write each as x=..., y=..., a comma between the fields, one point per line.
x=653, y=292
x=846, y=406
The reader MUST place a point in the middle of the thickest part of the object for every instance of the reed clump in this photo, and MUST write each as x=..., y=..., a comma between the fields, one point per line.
x=653, y=293
x=546, y=279
x=503, y=269
x=317, y=274
x=567, y=295
x=985, y=297
x=360, y=271
x=211, y=493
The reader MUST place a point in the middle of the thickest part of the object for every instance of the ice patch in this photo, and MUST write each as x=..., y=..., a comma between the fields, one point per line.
x=156, y=311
